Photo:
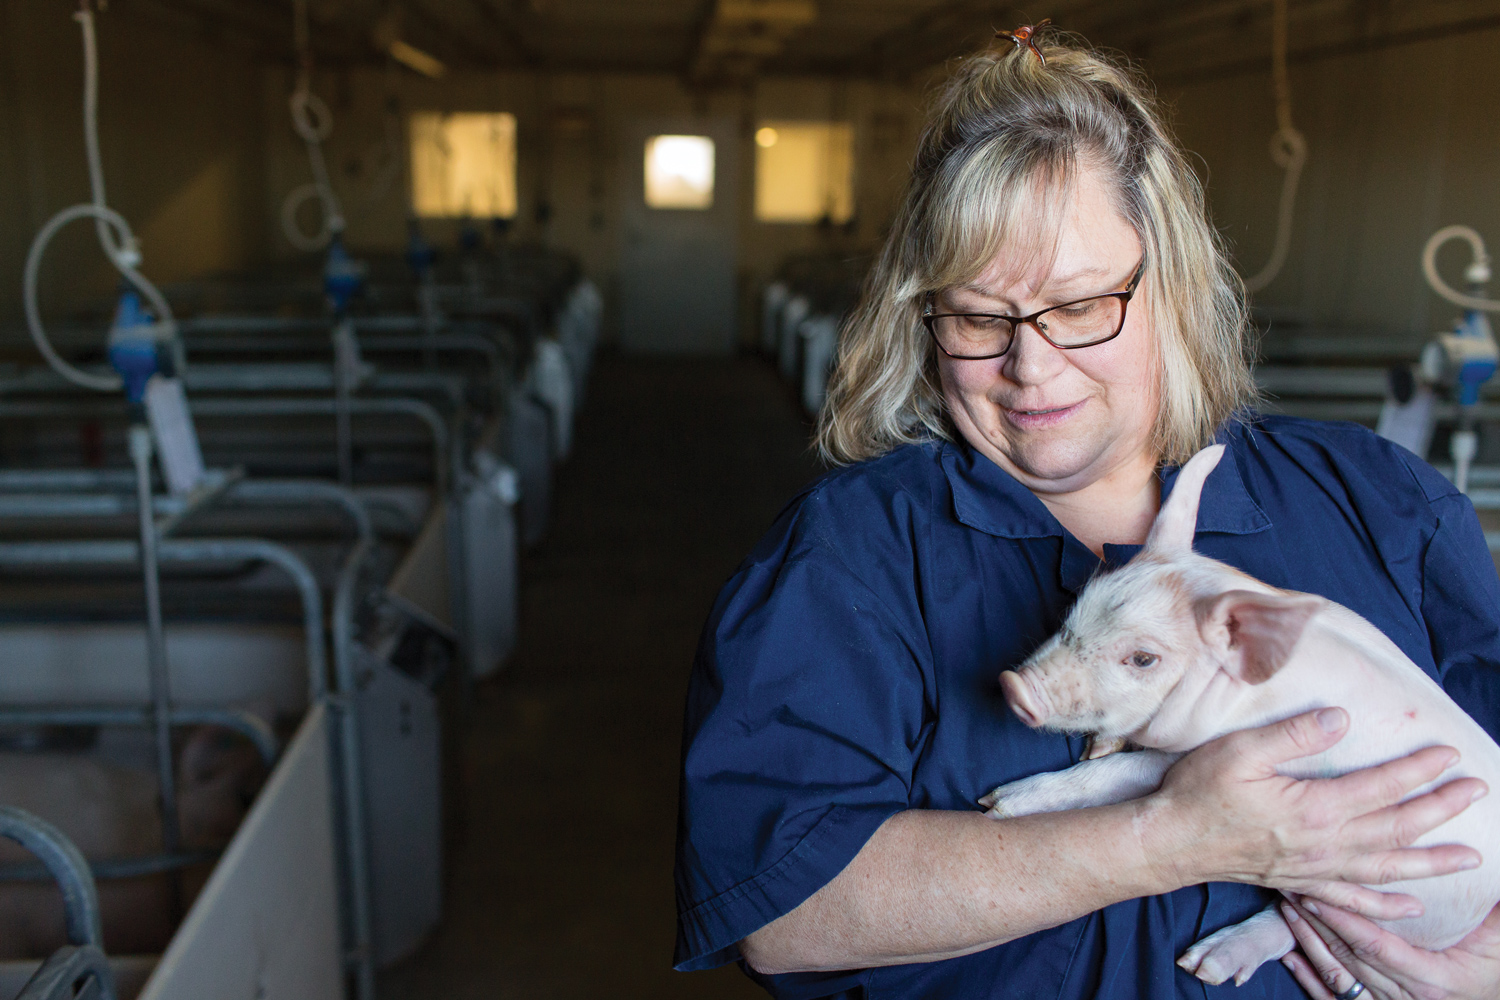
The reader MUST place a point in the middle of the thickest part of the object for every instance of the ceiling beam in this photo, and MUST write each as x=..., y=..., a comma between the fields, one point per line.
x=738, y=36
x=498, y=17
x=469, y=49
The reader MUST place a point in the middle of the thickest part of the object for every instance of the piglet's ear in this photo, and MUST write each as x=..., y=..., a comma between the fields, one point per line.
x=1172, y=533
x=1255, y=632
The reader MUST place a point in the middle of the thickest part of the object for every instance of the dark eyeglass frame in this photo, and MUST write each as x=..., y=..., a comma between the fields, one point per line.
x=1015, y=322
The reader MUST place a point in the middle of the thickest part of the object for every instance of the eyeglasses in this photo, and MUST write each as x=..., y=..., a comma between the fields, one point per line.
x=1071, y=325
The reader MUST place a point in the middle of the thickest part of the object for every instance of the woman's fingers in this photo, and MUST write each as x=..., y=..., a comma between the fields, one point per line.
x=1382, y=786
x=1306, y=976
x=1402, y=824
x=1406, y=863
x=1300, y=736
x=1328, y=970
x=1371, y=903
x=1371, y=944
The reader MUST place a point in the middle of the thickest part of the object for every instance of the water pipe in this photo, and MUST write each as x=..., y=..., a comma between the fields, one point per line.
x=125, y=250
x=312, y=120
x=1288, y=151
x=134, y=341
x=1477, y=273
x=1467, y=357
x=116, y=238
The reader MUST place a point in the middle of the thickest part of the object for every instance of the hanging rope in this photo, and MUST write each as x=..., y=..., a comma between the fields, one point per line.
x=1288, y=151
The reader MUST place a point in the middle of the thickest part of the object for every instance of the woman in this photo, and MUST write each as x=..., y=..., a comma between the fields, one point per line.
x=844, y=713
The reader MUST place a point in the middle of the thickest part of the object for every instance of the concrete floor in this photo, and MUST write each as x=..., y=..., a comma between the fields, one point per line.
x=560, y=874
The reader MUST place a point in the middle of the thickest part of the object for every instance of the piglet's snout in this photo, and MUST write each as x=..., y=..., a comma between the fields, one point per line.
x=1022, y=699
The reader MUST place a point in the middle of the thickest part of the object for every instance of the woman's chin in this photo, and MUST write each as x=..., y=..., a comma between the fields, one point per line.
x=1053, y=466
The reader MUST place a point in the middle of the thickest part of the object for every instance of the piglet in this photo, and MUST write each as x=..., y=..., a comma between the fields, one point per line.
x=1175, y=649
x=111, y=812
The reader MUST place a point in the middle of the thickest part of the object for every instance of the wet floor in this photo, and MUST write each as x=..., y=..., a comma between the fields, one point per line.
x=560, y=880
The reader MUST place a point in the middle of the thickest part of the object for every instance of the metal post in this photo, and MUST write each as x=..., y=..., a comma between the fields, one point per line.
x=362, y=952
x=156, y=640
x=345, y=365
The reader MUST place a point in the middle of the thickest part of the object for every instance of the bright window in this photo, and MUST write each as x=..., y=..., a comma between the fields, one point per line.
x=804, y=171
x=680, y=171
x=463, y=164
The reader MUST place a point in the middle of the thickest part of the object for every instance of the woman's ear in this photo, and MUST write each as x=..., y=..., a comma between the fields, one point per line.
x=1172, y=532
x=1255, y=632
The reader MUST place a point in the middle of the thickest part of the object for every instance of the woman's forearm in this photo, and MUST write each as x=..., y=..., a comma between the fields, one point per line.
x=930, y=885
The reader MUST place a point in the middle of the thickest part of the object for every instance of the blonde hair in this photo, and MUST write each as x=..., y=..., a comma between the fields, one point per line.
x=1004, y=127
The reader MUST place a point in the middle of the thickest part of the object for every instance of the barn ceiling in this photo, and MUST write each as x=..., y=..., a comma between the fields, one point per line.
x=726, y=41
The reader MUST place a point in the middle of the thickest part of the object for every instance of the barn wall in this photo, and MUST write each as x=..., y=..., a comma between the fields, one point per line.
x=1401, y=141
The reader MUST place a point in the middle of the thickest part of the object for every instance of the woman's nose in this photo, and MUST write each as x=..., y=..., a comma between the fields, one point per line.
x=1031, y=360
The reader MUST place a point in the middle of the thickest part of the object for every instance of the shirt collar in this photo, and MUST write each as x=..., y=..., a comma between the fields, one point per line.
x=988, y=498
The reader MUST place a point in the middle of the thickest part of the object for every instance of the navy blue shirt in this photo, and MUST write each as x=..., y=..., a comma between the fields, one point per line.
x=849, y=671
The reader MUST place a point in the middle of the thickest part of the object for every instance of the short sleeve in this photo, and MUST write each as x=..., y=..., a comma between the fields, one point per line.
x=1461, y=606
x=805, y=714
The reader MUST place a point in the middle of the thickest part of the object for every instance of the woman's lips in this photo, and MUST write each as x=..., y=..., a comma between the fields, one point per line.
x=1041, y=418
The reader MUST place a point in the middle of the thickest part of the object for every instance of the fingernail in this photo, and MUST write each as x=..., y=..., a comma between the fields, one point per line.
x=1331, y=720
x=1290, y=912
x=1469, y=863
x=1480, y=792
x=1311, y=907
x=1415, y=911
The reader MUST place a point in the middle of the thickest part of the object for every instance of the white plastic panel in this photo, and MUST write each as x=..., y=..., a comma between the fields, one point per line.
x=266, y=926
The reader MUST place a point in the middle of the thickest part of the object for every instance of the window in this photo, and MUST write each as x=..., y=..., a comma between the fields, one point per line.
x=680, y=171
x=463, y=164
x=804, y=171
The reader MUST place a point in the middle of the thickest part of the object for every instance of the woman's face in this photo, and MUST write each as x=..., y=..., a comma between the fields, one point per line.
x=1059, y=420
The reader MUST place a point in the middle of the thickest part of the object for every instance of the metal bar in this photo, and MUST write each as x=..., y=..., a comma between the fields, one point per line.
x=1323, y=382
x=156, y=641
x=245, y=723
x=259, y=377
x=188, y=551
x=173, y=510
x=202, y=495
x=1479, y=475
x=46, y=505
x=64, y=862
x=252, y=324
x=1367, y=411
x=65, y=479
x=345, y=374
x=416, y=408
x=305, y=490
x=353, y=772
x=115, y=868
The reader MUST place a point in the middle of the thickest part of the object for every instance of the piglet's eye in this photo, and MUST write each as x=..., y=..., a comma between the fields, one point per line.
x=1141, y=659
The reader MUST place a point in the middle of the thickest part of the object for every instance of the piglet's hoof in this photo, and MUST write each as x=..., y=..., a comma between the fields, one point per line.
x=1236, y=952
x=1026, y=797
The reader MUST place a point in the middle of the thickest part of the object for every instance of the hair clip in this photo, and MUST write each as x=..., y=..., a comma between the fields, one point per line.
x=1025, y=37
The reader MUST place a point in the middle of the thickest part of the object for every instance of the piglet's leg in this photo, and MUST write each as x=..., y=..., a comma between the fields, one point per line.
x=1116, y=778
x=1236, y=952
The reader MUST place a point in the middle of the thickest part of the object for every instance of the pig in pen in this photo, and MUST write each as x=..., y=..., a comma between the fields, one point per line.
x=1174, y=650
x=109, y=806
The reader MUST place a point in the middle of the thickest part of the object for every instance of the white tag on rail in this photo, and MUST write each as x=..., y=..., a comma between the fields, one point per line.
x=176, y=441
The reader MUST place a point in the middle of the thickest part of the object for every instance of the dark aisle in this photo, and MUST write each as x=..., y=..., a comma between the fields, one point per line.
x=561, y=884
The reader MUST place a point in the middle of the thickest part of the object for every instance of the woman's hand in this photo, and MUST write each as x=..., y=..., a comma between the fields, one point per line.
x=1224, y=814
x=1340, y=949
